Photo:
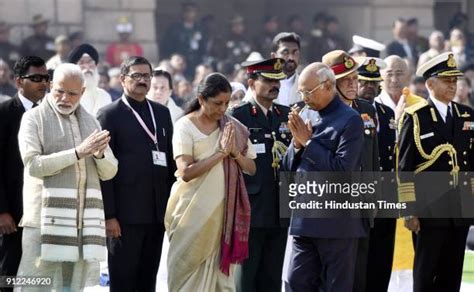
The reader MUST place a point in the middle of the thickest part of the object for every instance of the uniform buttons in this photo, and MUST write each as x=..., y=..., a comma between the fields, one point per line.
x=464, y=153
x=382, y=178
x=465, y=183
x=255, y=140
x=450, y=162
x=392, y=180
x=381, y=168
x=389, y=147
x=392, y=170
x=390, y=157
x=465, y=162
x=450, y=182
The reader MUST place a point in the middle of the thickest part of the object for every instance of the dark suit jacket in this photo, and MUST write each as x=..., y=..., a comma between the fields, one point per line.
x=386, y=137
x=386, y=141
x=11, y=166
x=263, y=186
x=335, y=146
x=138, y=194
x=434, y=190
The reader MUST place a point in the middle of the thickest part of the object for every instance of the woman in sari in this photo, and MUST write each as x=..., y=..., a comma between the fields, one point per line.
x=208, y=214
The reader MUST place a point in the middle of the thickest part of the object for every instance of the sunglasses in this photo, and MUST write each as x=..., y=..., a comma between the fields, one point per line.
x=37, y=77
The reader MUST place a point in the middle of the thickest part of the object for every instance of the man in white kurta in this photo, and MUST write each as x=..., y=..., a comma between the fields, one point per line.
x=65, y=154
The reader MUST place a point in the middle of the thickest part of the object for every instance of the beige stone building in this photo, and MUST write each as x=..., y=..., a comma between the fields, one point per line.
x=97, y=18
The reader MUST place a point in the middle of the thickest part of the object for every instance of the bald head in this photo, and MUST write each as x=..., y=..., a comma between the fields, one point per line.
x=395, y=77
x=318, y=72
x=317, y=85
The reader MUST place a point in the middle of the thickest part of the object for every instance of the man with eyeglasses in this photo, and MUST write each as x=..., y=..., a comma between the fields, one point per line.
x=94, y=98
x=32, y=81
x=435, y=169
x=269, y=133
x=324, y=250
x=135, y=200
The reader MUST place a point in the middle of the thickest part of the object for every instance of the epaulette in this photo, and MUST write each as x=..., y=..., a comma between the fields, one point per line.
x=280, y=105
x=240, y=106
x=417, y=106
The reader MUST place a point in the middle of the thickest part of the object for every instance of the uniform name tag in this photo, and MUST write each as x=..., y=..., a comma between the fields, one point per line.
x=159, y=158
x=427, y=135
x=259, y=148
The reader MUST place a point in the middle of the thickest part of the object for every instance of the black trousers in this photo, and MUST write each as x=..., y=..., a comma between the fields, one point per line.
x=10, y=255
x=439, y=257
x=134, y=258
x=262, y=270
x=322, y=264
x=380, y=257
x=360, y=273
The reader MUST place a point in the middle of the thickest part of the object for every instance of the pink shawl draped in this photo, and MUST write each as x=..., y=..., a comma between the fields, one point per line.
x=235, y=233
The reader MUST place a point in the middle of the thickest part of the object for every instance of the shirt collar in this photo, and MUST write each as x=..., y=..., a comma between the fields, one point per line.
x=441, y=107
x=385, y=99
x=289, y=80
x=27, y=104
x=264, y=109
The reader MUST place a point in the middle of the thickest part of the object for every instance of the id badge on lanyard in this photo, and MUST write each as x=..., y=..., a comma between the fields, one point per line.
x=159, y=157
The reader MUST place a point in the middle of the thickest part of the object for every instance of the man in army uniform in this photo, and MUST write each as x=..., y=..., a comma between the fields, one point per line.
x=345, y=69
x=269, y=133
x=435, y=141
x=382, y=235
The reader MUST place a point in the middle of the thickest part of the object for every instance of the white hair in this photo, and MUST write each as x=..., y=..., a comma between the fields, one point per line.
x=326, y=74
x=68, y=70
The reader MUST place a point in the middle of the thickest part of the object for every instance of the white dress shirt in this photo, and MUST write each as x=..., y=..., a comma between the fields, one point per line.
x=27, y=104
x=441, y=107
x=285, y=95
x=385, y=99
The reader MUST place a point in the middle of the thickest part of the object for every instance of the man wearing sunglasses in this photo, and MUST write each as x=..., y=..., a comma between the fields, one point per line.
x=32, y=81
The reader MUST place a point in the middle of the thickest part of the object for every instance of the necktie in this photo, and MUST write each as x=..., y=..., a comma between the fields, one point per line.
x=269, y=117
x=449, y=120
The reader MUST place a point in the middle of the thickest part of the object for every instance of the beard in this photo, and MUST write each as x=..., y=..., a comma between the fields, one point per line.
x=63, y=111
x=91, y=79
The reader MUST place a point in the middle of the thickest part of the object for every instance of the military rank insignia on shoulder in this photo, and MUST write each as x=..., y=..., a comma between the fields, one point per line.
x=417, y=106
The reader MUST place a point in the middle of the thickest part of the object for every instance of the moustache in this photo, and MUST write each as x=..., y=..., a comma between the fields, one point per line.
x=275, y=89
x=142, y=84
